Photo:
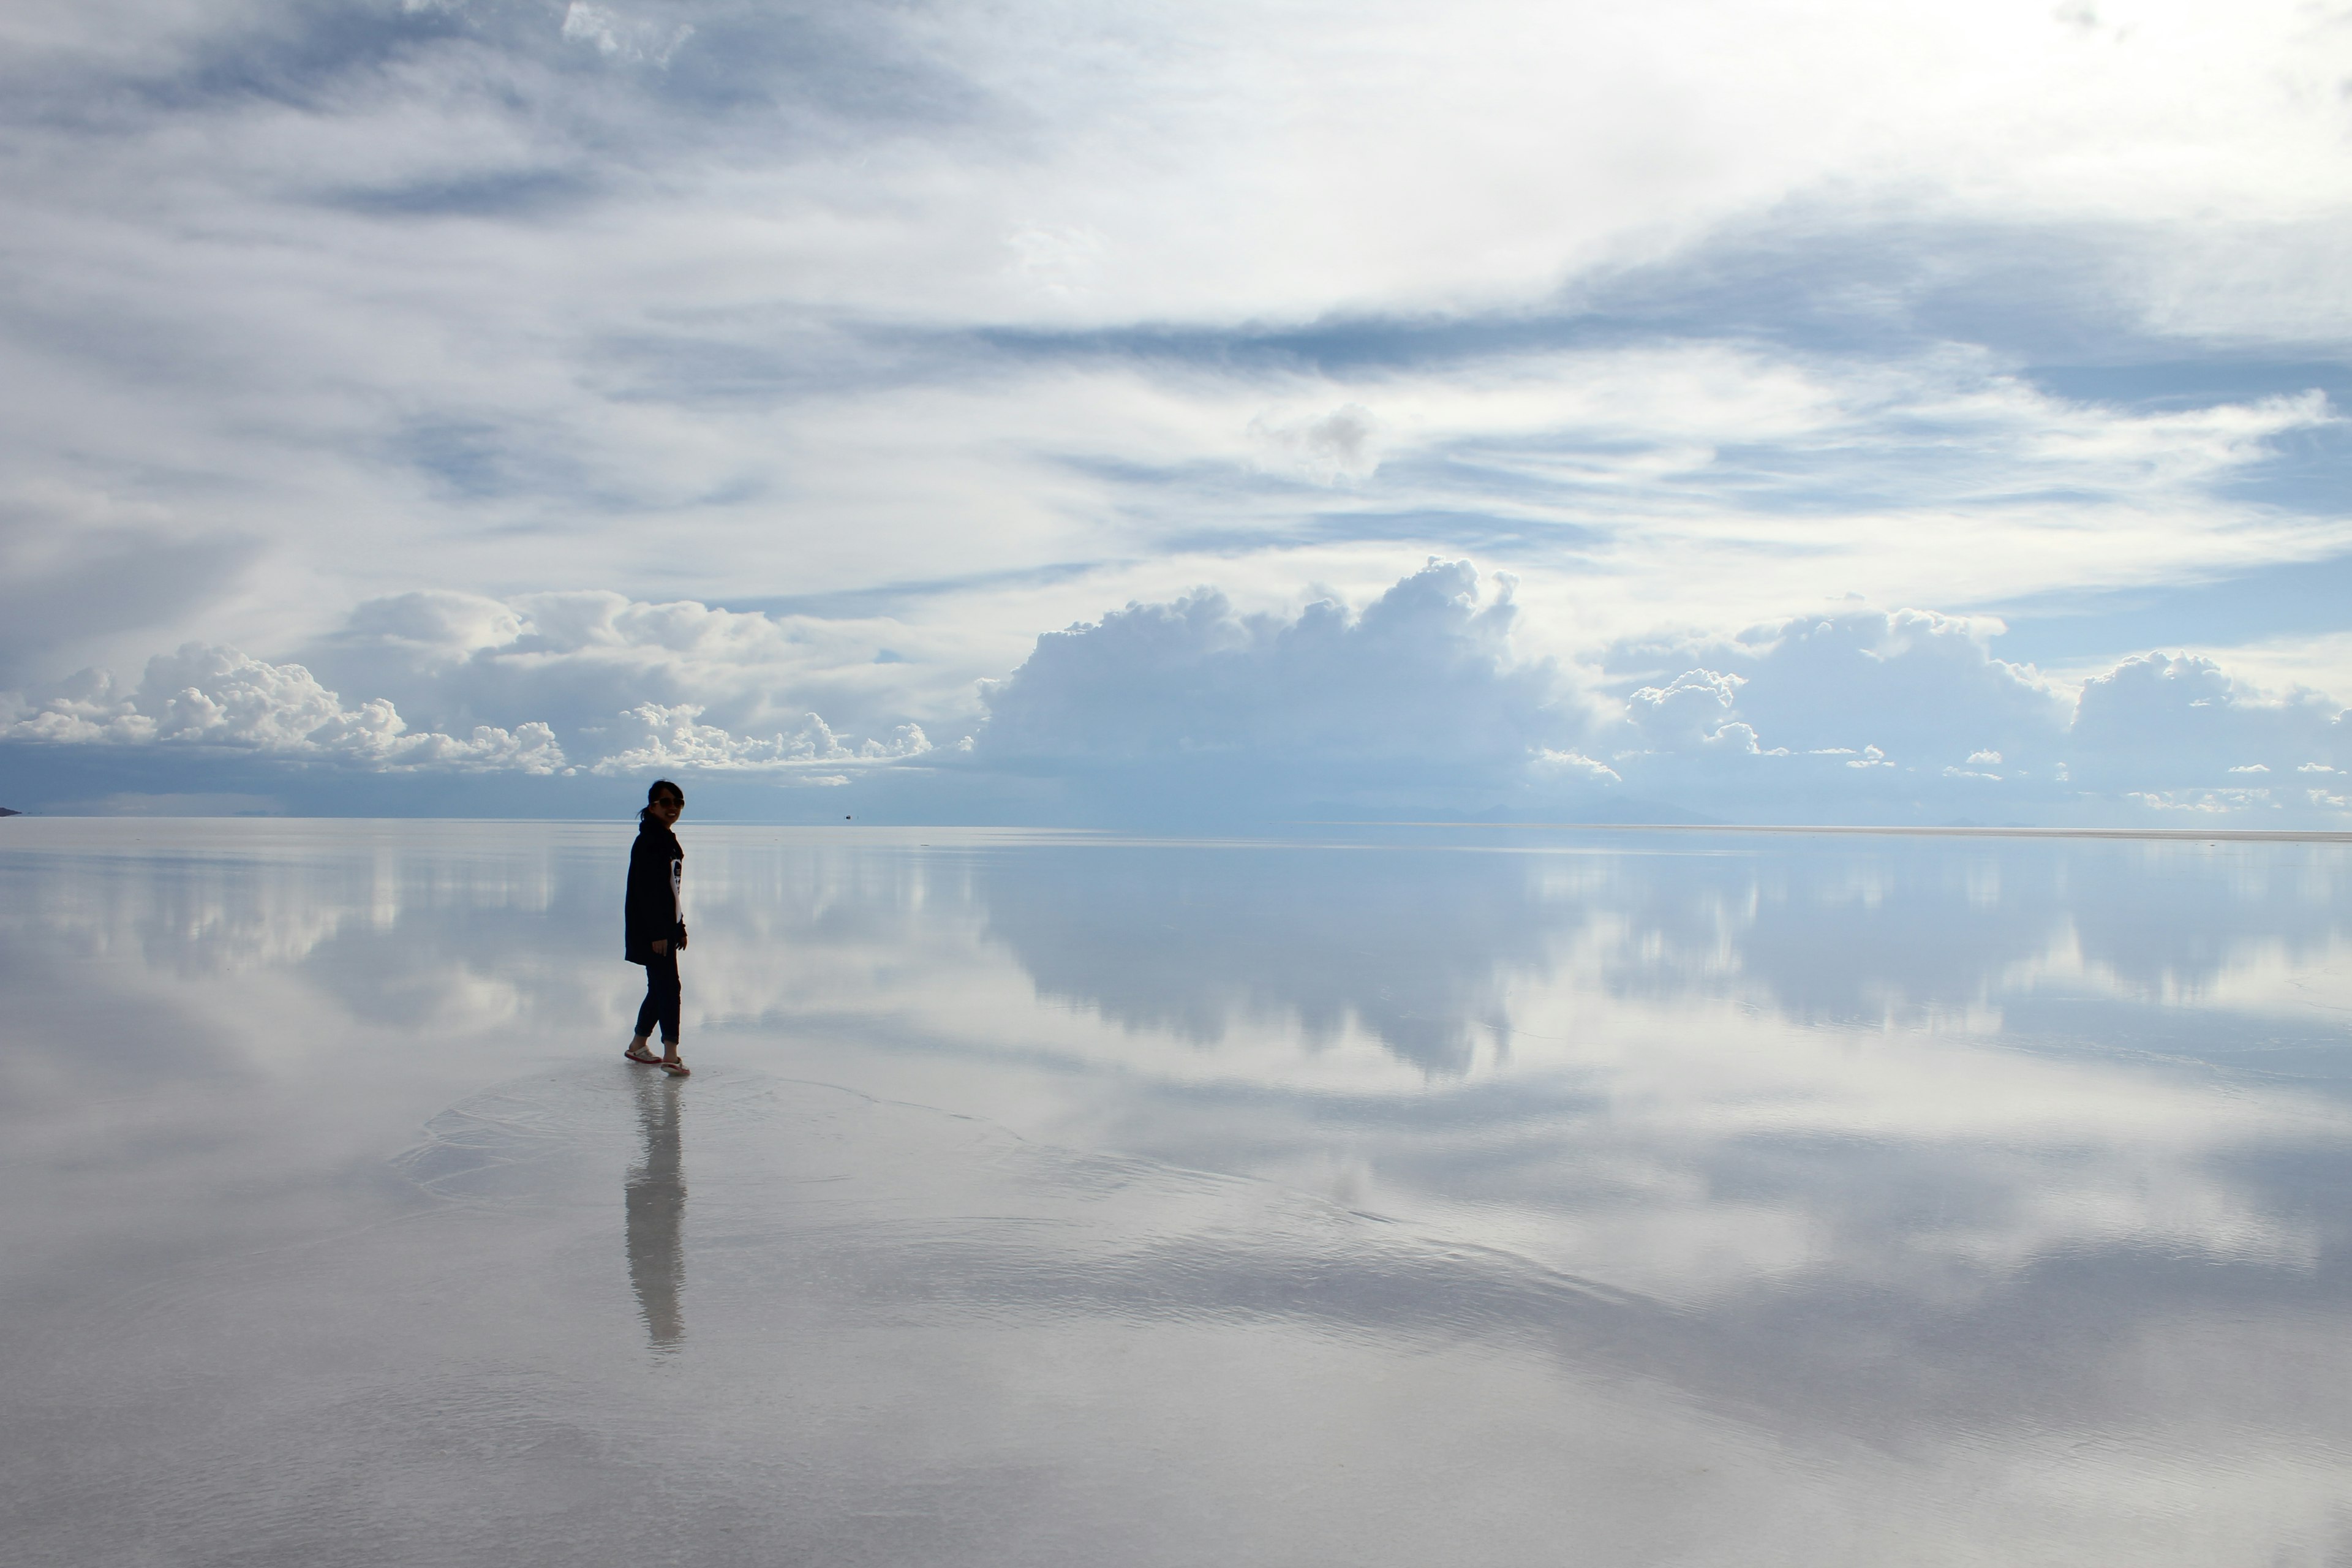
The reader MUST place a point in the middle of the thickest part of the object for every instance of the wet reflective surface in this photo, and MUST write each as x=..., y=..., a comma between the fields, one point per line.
x=1461, y=1196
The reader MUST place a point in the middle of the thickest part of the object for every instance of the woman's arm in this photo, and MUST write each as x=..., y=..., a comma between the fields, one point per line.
x=648, y=912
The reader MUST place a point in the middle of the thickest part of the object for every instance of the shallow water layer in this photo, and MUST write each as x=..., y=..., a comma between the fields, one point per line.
x=1439, y=1196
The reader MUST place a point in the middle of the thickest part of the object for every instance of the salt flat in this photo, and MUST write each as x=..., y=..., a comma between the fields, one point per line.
x=1364, y=1196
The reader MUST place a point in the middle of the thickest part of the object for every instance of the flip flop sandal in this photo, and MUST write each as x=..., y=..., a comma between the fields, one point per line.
x=646, y=1058
x=675, y=1069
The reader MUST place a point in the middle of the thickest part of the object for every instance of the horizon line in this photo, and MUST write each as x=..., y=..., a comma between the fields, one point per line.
x=2249, y=835
x=2208, y=835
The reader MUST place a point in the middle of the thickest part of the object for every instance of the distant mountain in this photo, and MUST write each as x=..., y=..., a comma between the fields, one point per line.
x=5, y=812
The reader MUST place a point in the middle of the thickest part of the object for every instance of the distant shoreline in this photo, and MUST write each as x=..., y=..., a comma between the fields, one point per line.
x=2208, y=835
x=2163, y=834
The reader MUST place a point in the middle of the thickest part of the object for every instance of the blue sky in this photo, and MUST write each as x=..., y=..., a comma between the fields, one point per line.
x=1823, y=412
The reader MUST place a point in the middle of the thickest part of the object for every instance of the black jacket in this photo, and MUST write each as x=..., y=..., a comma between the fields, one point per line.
x=650, y=914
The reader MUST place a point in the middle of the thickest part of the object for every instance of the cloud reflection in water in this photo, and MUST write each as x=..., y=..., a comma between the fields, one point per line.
x=1980, y=1190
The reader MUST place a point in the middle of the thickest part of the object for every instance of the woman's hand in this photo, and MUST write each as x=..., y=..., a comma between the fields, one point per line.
x=681, y=938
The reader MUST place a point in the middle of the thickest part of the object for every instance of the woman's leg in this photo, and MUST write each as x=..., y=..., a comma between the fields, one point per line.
x=649, y=1011
x=661, y=999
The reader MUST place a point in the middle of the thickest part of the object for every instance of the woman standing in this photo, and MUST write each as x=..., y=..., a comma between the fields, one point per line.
x=654, y=923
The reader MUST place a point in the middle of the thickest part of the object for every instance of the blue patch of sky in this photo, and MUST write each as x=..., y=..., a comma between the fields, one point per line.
x=516, y=194
x=1336, y=346
x=1484, y=533
x=475, y=460
x=2299, y=598
x=736, y=357
x=299, y=55
x=2308, y=472
x=2171, y=385
x=888, y=598
x=467, y=459
x=848, y=61
x=676, y=73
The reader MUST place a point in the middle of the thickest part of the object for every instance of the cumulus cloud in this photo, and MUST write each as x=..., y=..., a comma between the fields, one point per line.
x=218, y=697
x=1914, y=682
x=544, y=683
x=579, y=657
x=1418, y=699
x=1924, y=698
x=1855, y=714
x=1694, y=711
x=2174, y=718
x=1420, y=687
x=659, y=738
x=958, y=289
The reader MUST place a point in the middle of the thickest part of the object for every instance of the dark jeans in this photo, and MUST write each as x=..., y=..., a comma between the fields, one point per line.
x=661, y=997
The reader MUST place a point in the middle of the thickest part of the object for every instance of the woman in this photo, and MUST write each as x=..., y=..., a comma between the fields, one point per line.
x=654, y=931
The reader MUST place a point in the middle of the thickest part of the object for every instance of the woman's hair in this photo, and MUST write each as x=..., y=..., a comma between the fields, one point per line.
x=653, y=791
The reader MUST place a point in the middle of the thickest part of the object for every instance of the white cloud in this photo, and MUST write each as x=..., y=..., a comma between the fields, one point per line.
x=2202, y=802
x=1423, y=698
x=218, y=697
x=659, y=738
x=630, y=683
x=1340, y=445
x=1574, y=765
x=612, y=676
x=1694, y=711
x=1913, y=681
x=1420, y=689
x=612, y=32
x=1857, y=714
x=959, y=320
x=1906, y=693
x=1056, y=262
x=2170, y=722
x=1905, y=699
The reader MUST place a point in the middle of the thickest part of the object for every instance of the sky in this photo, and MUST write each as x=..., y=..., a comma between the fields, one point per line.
x=1135, y=413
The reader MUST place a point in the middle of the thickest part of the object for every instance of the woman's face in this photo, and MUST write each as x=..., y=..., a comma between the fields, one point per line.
x=666, y=808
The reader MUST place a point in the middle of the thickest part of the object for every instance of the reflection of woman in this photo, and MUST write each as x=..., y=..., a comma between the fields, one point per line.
x=654, y=926
x=654, y=1205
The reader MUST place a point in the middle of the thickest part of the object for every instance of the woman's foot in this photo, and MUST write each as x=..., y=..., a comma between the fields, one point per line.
x=674, y=1068
x=639, y=1053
